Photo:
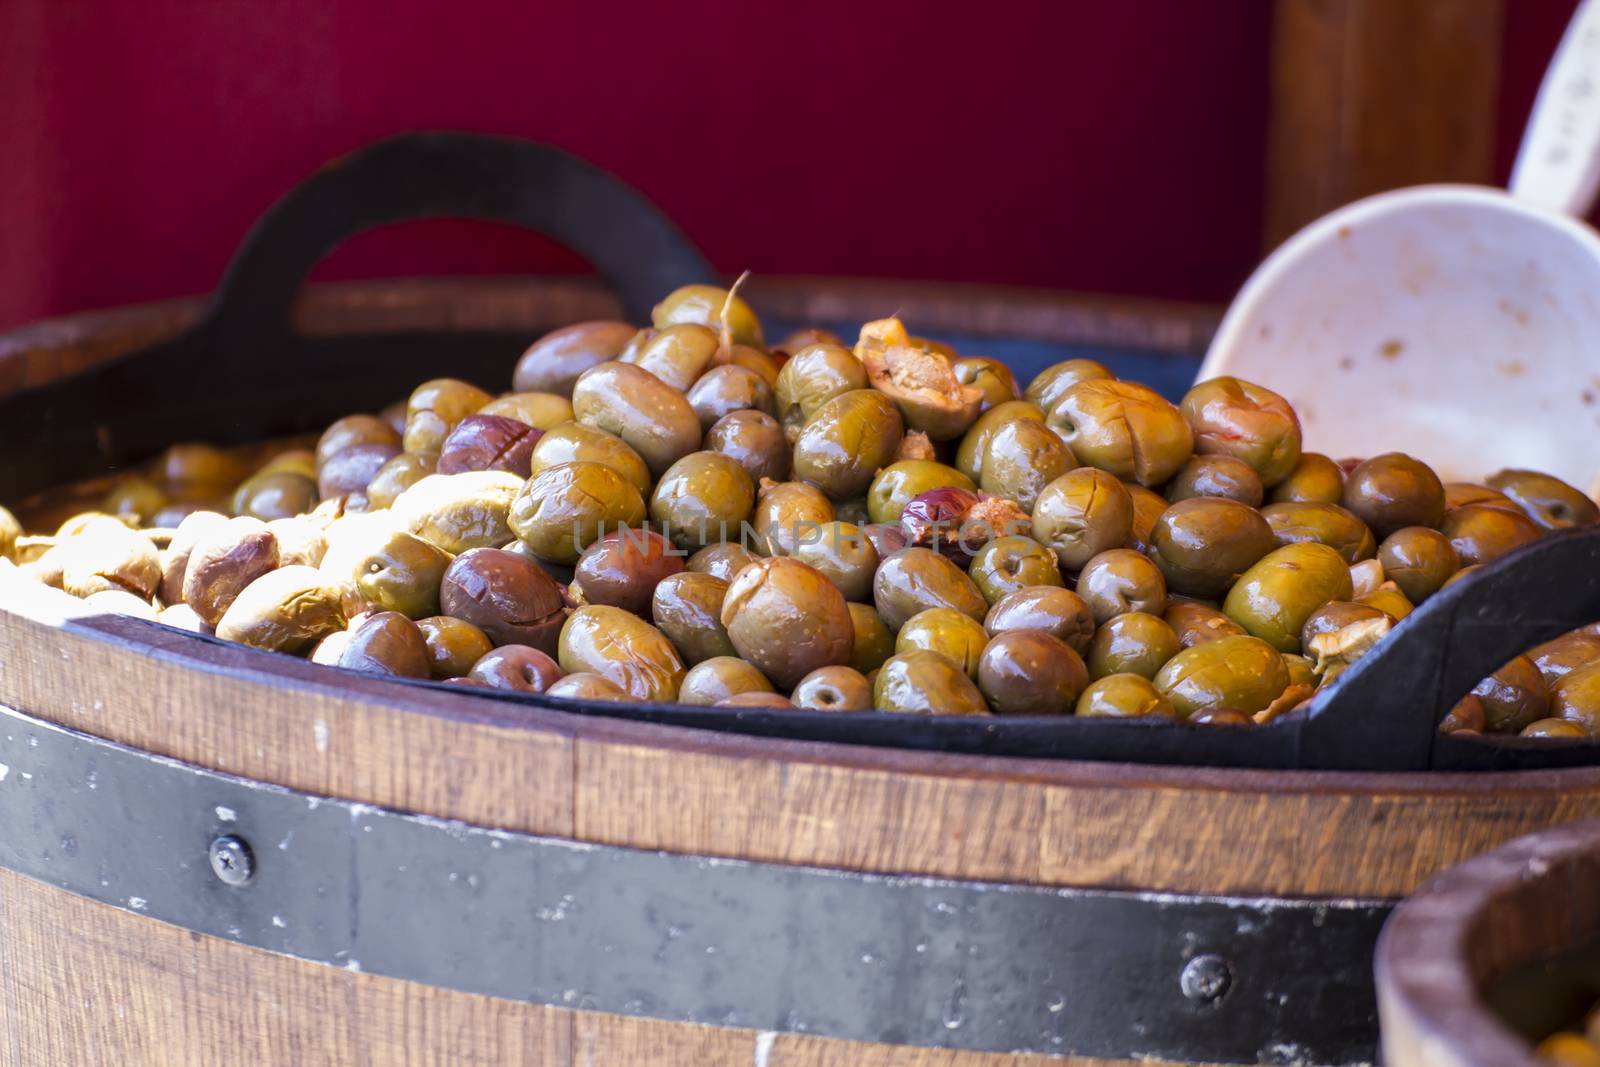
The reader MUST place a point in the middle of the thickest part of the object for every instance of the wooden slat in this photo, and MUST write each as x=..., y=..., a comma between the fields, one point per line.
x=1369, y=95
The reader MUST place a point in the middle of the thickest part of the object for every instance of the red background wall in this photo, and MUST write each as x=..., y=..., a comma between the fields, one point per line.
x=1114, y=147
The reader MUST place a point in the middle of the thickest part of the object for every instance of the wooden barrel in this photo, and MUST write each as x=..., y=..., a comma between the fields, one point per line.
x=1494, y=954
x=213, y=854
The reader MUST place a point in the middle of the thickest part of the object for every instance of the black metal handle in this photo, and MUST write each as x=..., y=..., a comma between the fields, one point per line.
x=635, y=247
x=1383, y=713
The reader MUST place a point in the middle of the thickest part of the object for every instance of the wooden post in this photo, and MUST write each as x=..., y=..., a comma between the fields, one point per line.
x=1369, y=95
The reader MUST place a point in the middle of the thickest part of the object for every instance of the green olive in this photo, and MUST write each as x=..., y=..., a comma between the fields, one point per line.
x=1577, y=697
x=392, y=479
x=1388, y=599
x=1216, y=475
x=1204, y=544
x=435, y=408
x=622, y=648
x=1029, y=672
x=390, y=569
x=703, y=498
x=970, y=453
x=1273, y=599
x=1243, y=673
x=1327, y=524
x=944, y=630
x=1237, y=418
x=1048, y=385
x=1196, y=623
x=459, y=511
x=1123, y=428
x=1060, y=612
x=926, y=683
x=287, y=610
x=1124, y=696
x=1549, y=502
x=652, y=417
x=1134, y=643
x=705, y=305
x=573, y=442
x=834, y=689
x=812, y=377
x=1394, y=490
x=1418, y=560
x=1481, y=533
x=755, y=440
x=1081, y=514
x=517, y=668
x=1121, y=580
x=721, y=560
x=893, y=487
x=873, y=642
x=553, y=363
x=847, y=441
x=275, y=495
x=454, y=645
x=788, y=619
x=1021, y=458
x=1516, y=695
x=843, y=554
x=916, y=579
x=563, y=510
x=718, y=678
x=1007, y=564
x=687, y=607
x=543, y=411
x=197, y=472
x=991, y=376
x=785, y=512
x=1315, y=479
x=1335, y=616
x=678, y=355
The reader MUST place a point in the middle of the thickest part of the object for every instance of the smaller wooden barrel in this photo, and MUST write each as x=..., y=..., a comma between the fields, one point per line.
x=1494, y=954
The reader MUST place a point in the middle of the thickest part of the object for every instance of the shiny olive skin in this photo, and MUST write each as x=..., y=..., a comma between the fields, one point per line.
x=916, y=579
x=1300, y=669
x=573, y=442
x=395, y=477
x=836, y=688
x=1460, y=494
x=624, y=567
x=506, y=595
x=135, y=498
x=392, y=570
x=1148, y=506
x=1216, y=475
x=287, y=610
x=785, y=512
x=991, y=376
x=1030, y=672
x=704, y=304
x=1273, y=599
x=1124, y=696
x=1237, y=418
x=1389, y=599
x=923, y=385
x=1202, y=545
x=434, y=409
x=1008, y=564
x=459, y=511
x=387, y=643
x=847, y=441
x=1123, y=428
x=563, y=510
x=1060, y=612
x=1481, y=533
x=687, y=607
x=788, y=619
x=1243, y=673
x=896, y=485
x=275, y=495
x=1564, y=728
x=1121, y=580
x=1326, y=524
x=812, y=377
x=1134, y=643
x=624, y=649
x=1048, y=385
x=721, y=560
x=542, y=411
x=843, y=554
x=482, y=442
x=755, y=440
x=1315, y=479
x=873, y=642
x=650, y=416
x=585, y=685
x=350, y=431
x=518, y=668
x=1463, y=574
x=1021, y=458
x=678, y=355
x=1548, y=501
x=703, y=498
x=926, y=683
x=718, y=678
x=970, y=453
x=1577, y=697
x=1418, y=560
x=553, y=363
x=1392, y=491
x=947, y=631
x=1220, y=717
x=1081, y=514
x=347, y=473
x=454, y=645
x=223, y=562
x=1558, y=658
x=1196, y=623
x=1334, y=616
x=1514, y=696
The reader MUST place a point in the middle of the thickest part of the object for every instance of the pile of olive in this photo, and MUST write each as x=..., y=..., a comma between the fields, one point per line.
x=885, y=525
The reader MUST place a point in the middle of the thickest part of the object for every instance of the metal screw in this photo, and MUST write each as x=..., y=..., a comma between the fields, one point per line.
x=1206, y=978
x=231, y=860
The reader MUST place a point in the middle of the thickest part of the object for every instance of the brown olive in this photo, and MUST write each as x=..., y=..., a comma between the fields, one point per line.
x=755, y=440
x=1081, y=514
x=434, y=409
x=847, y=441
x=460, y=511
x=1030, y=672
x=516, y=667
x=788, y=619
x=489, y=443
x=1147, y=508
x=714, y=680
x=1123, y=696
x=1059, y=612
x=285, y=494
x=1237, y=418
x=815, y=375
x=803, y=338
x=835, y=688
x=1460, y=494
x=915, y=579
x=1204, y=544
x=687, y=607
x=1218, y=475
x=563, y=510
x=1121, y=580
x=786, y=511
x=198, y=472
x=1558, y=658
x=1315, y=479
x=726, y=389
x=842, y=553
x=678, y=354
x=507, y=596
x=107, y=556
x=454, y=645
x=1513, y=696
x=1392, y=491
x=350, y=431
x=224, y=561
x=387, y=643
x=1196, y=623
x=1481, y=533
x=624, y=567
x=1334, y=616
x=1134, y=643
x=135, y=497
x=723, y=560
x=175, y=557
x=1418, y=560
x=553, y=363
x=1326, y=524
x=1549, y=502
x=1577, y=697
x=652, y=417
x=287, y=610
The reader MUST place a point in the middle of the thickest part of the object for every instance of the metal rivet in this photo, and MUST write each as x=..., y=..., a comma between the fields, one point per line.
x=1206, y=978
x=231, y=860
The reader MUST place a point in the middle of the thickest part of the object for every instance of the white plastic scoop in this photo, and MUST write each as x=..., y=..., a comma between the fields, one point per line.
x=1458, y=323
